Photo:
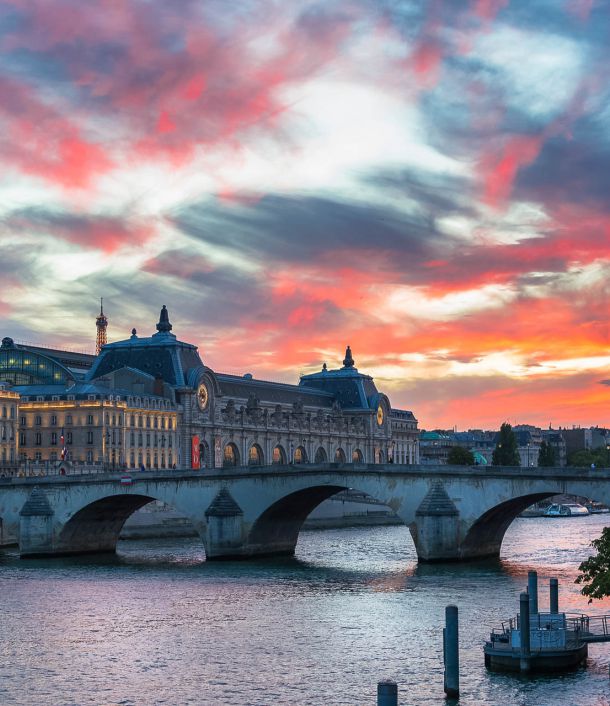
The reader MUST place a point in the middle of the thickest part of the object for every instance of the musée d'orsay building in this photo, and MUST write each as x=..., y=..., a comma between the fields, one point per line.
x=151, y=402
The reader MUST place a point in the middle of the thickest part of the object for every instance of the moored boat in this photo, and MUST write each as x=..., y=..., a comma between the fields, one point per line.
x=566, y=510
x=595, y=508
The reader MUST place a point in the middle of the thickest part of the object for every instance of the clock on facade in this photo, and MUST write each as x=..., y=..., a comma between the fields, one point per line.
x=379, y=415
x=203, y=396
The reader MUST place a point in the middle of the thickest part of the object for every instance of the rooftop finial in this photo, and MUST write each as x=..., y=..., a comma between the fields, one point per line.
x=348, y=361
x=164, y=325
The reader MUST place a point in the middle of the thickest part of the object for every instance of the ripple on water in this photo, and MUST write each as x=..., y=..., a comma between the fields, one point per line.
x=158, y=625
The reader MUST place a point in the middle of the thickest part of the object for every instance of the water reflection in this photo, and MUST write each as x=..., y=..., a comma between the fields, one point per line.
x=156, y=624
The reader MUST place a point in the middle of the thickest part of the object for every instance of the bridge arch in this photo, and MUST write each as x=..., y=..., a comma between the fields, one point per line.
x=276, y=530
x=96, y=527
x=484, y=537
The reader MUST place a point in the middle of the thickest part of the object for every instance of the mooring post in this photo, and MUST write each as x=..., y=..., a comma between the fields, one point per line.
x=387, y=693
x=532, y=589
x=451, y=652
x=554, y=591
x=524, y=629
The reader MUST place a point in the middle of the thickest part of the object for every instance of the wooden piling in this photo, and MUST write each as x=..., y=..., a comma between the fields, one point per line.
x=524, y=631
x=451, y=652
x=554, y=595
x=387, y=693
x=532, y=589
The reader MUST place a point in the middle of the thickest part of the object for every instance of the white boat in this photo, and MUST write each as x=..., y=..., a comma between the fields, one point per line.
x=566, y=510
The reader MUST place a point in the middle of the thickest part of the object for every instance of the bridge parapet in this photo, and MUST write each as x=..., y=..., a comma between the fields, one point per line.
x=453, y=512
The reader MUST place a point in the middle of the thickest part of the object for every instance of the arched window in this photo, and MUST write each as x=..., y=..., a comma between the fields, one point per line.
x=320, y=456
x=380, y=456
x=255, y=455
x=339, y=455
x=279, y=455
x=356, y=456
x=300, y=455
x=204, y=454
x=231, y=456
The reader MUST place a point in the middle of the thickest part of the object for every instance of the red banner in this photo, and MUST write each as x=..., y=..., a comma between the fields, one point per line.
x=195, y=460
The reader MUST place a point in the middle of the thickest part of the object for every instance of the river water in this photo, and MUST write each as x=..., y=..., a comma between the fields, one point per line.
x=158, y=625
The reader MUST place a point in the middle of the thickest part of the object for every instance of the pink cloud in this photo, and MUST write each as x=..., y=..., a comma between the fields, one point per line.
x=38, y=139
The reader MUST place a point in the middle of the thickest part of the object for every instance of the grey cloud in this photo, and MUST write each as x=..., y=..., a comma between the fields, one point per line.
x=571, y=170
x=290, y=229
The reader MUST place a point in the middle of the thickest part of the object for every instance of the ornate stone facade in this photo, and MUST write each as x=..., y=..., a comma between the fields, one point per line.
x=9, y=429
x=217, y=420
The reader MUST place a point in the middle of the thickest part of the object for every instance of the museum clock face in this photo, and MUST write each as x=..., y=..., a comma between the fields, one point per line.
x=379, y=415
x=203, y=396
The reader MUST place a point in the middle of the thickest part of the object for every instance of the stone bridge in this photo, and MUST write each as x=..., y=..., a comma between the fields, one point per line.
x=453, y=512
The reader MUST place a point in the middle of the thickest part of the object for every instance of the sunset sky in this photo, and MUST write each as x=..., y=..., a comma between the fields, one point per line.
x=426, y=181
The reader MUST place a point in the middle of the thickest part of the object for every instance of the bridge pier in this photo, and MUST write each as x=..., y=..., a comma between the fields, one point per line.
x=436, y=527
x=36, y=525
x=225, y=528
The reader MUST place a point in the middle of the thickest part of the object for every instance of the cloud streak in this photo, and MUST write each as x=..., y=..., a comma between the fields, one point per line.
x=425, y=181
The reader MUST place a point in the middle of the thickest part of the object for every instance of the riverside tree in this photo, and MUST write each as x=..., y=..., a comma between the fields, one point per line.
x=595, y=571
x=546, y=455
x=459, y=456
x=506, y=452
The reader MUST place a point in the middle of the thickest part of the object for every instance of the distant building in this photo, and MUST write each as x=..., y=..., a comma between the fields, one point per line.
x=555, y=438
x=434, y=447
x=579, y=439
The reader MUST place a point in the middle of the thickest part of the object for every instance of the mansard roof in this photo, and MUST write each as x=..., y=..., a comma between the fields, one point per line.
x=350, y=388
x=78, y=391
x=275, y=392
x=160, y=355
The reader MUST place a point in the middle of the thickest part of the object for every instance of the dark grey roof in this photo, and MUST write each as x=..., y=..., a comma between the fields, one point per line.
x=402, y=414
x=160, y=355
x=79, y=390
x=350, y=388
x=275, y=392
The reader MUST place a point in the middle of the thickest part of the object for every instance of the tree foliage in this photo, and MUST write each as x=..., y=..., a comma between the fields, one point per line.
x=459, y=456
x=506, y=452
x=595, y=571
x=546, y=455
x=583, y=458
